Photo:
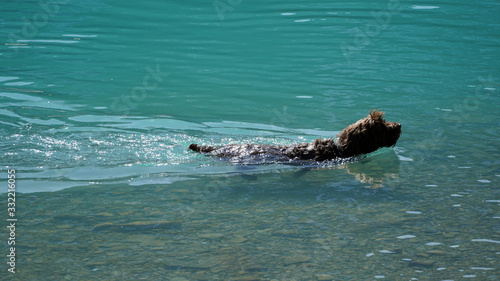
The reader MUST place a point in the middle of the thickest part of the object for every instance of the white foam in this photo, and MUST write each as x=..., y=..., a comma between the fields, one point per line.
x=49, y=41
x=159, y=180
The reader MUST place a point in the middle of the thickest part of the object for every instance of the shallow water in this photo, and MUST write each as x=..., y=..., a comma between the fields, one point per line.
x=100, y=99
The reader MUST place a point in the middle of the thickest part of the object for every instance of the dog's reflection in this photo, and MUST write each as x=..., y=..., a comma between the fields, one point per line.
x=374, y=171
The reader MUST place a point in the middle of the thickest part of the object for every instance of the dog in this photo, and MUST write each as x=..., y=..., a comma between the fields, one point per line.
x=365, y=136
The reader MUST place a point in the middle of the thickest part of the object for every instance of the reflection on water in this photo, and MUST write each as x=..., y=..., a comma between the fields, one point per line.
x=375, y=171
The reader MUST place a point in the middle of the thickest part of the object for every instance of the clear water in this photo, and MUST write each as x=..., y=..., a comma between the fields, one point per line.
x=100, y=99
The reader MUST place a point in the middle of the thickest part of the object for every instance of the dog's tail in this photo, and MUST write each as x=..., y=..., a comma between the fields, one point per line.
x=201, y=148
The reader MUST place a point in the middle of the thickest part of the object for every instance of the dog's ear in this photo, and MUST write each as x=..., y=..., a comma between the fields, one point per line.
x=350, y=139
x=377, y=115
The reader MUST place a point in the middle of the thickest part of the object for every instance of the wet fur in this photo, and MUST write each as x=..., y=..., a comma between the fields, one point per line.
x=364, y=136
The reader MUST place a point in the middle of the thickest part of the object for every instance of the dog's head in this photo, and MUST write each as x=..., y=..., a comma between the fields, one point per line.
x=368, y=135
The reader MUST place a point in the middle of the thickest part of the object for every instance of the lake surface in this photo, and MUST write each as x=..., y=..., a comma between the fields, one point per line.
x=99, y=101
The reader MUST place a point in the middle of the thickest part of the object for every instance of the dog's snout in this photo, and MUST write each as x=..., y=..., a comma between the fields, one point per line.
x=396, y=125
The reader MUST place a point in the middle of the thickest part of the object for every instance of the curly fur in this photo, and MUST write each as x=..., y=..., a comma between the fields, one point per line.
x=364, y=136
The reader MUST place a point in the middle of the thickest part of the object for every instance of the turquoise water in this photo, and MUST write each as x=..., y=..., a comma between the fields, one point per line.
x=100, y=99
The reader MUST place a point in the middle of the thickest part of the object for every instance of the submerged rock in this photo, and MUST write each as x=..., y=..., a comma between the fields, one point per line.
x=437, y=252
x=422, y=263
x=211, y=235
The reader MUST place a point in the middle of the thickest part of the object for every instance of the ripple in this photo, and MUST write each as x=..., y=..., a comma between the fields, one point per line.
x=8, y=113
x=30, y=186
x=18, y=83
x=17, y=96
x=135, y=122
x=157, y=180
x=94, y=173
x=49, y=41
x=43, y=122
x=6, y=78
x=419, y=7
x=79, y=35
x=402, y=158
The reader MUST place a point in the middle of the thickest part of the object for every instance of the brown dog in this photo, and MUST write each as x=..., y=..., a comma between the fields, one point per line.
x=364, y=136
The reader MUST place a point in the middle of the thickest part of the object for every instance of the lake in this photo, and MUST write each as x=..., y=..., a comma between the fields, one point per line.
x=100, y=100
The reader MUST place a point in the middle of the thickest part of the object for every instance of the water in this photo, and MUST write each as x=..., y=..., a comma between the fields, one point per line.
x=100, y=99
